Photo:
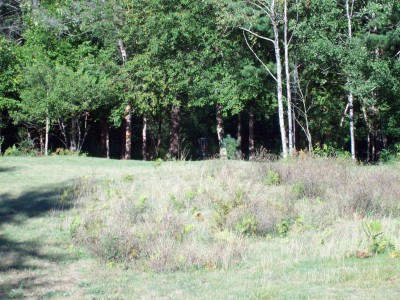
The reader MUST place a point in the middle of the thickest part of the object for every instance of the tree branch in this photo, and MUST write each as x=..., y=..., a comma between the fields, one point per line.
x=257, y=35
x=255, y=54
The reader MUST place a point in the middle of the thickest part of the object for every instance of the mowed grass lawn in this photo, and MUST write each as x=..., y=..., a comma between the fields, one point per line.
x=313, y=259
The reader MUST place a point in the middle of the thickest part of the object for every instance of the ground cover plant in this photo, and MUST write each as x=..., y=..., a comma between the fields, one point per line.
x=79, y=227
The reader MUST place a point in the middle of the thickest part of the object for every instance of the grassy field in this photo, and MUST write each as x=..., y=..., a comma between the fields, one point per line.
x=86, y=228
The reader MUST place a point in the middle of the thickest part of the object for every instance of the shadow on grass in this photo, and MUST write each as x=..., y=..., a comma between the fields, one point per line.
x=26, y=255
x=7, y=169
x=35, y=203
x=15, y=211
x=19, y=254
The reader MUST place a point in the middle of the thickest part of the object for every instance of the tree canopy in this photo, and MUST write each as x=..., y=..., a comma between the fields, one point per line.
x=146, y=78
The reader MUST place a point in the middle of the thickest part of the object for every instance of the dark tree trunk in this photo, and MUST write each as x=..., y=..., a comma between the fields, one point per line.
x=1, y=138
x=220, y=125
x=159, y=132
x=239, y=135
x=174, y=131
x=128, y=133
x=123, y=138
x=105, y=139
x=41, y=142
x=252, y=150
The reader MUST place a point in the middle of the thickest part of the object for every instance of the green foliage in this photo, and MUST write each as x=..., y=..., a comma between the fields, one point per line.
x=25, y=146
x=16, y=293
x=298, y=189
x=378, y=242
x=230, y=145
x=176, y=203
x=64, y=152
x=273, y=178
x=128, y=177
x=324, y=151
x=391, y=154
x=247, y=225
x=142, y=203
x=75, y=225
x=12, y=151
x=283, y=227
x=69, y=70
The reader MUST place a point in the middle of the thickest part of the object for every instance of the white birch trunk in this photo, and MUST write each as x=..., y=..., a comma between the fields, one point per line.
x=349, y=14
x=144, y=138
x=108, y=143
x=288, y=83
x=274, y=21
x=46, y=143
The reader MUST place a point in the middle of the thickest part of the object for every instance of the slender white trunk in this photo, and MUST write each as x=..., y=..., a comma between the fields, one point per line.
x=274, y=21
x=74, y=135
x=351, y=120
x=108, y=143
x=288, y=83
x=46, y=143
x=349, y=14
x=144, y=138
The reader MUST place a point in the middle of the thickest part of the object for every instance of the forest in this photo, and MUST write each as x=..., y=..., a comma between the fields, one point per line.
x=147, y=79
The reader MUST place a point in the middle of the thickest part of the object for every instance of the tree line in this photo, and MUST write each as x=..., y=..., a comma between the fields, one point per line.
x=146, y=79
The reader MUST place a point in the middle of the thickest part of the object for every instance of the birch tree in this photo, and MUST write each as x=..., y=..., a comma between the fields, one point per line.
x=349, y=4
x=269, y=9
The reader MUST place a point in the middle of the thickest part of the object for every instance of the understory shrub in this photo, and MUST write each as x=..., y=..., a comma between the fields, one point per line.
x=230, y=145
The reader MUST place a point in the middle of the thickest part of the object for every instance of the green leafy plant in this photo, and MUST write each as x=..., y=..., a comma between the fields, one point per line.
x=325, y=151
x=247, y=225
x=273, y=178
x=230, y=145
x=12, y=151
x=176, y=203
x=283, y=227
x=298, y=189
x=391, y=154
x=378, y=242
x=68, y=152
x=128, y=177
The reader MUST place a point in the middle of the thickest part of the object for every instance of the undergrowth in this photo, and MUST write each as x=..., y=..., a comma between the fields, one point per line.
x=182, y=216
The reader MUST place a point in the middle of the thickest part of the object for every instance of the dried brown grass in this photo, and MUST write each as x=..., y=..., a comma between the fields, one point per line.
x=199, y=215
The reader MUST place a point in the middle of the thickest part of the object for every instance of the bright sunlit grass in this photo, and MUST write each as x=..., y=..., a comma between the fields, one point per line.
x=307, y=220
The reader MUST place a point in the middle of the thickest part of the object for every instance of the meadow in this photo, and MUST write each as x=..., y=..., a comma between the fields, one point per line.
x=88, y=228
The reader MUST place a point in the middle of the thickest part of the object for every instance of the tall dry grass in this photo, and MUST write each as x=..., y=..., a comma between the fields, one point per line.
x=183, y=215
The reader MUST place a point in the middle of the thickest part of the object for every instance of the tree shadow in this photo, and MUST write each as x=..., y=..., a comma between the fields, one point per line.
x=34, y=203
x=19, y=254
x=26, y=255
x=7, y=169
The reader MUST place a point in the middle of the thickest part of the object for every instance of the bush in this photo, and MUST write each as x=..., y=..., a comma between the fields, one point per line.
x=13, y=151
x=68, y=152
x=230, y=145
